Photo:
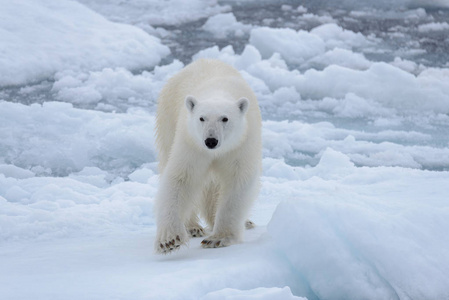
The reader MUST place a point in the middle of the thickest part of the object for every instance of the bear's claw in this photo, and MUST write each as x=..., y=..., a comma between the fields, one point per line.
x=210, y=244
x=215, y=243
x=169, y=246
x=196, y=232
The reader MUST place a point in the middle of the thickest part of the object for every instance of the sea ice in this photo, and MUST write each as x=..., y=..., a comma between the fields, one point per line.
x=42, y=37
x=223, y=25
x=367, y=233
x=355, y=149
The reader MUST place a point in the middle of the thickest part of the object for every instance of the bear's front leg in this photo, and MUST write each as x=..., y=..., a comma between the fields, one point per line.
x=232, y=210
x=175, y=202
x=171, y=231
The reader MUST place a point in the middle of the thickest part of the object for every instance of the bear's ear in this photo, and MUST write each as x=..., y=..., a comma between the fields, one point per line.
x=190, y=103
x=243, y=105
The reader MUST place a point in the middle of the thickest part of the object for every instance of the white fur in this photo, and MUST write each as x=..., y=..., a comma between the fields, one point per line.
x=219, y=183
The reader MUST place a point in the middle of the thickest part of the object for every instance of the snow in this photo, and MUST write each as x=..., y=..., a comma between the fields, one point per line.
x=295, y=46
x=299, y=46
x=409, y=92
x=433, y=27
x=366, y=233
x=106, y=88
x=83, y=138
x=335, y=36
x=42, y=37
x=341, y=57
x=223, y=25
x=353, y=201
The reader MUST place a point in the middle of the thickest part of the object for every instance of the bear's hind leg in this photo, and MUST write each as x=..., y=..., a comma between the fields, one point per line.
x=193, y=226
x=249, y=224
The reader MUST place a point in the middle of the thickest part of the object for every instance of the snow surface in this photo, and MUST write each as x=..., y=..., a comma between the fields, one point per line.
x=42, y=37
x=433, y=26
x=354, y=197
x=223, y=25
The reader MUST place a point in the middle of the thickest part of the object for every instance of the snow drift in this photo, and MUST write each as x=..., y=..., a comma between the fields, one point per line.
x=42, y=37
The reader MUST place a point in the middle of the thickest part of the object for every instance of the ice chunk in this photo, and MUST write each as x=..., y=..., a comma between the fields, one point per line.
x=42, y=37
x=91, y=175
x=384, y=83
x=278, y=169
x=333, y=164
x=341, y=57
x=433, y=27
x=373, y=234
x=17, y=194
x=294, y=46
x=223, y=25
x=15, y=172
x=249, y=56
x=141, y=175
x=300, y=46
x=335, y=36
x=301, y=9
x=58, y=137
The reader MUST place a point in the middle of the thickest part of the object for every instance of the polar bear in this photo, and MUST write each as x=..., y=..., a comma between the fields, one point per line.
x=208, y=134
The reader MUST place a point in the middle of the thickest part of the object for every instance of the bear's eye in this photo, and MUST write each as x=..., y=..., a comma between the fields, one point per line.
x=225, y=119
x=202, y=119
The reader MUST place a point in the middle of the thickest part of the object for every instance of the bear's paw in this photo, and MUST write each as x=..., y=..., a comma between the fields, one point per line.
x=170, y=243
x=217, y=242
x=249, y=224
x=196, y=231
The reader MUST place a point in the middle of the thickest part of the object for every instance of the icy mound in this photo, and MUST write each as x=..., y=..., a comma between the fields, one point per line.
x=56, y=139
x=223, y=25
x=299, y=46
x=112, y=89
x=366, y=233
x=384, y=83
x=82, y=204
x=42, y=37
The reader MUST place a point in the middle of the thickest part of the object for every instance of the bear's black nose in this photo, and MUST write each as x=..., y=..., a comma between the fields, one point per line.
x=211, y=143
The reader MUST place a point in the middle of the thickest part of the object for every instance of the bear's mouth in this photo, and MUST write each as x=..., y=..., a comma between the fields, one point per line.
x=211, y=143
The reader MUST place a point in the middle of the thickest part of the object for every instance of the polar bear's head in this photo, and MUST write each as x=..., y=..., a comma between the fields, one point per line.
x=217, y=123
